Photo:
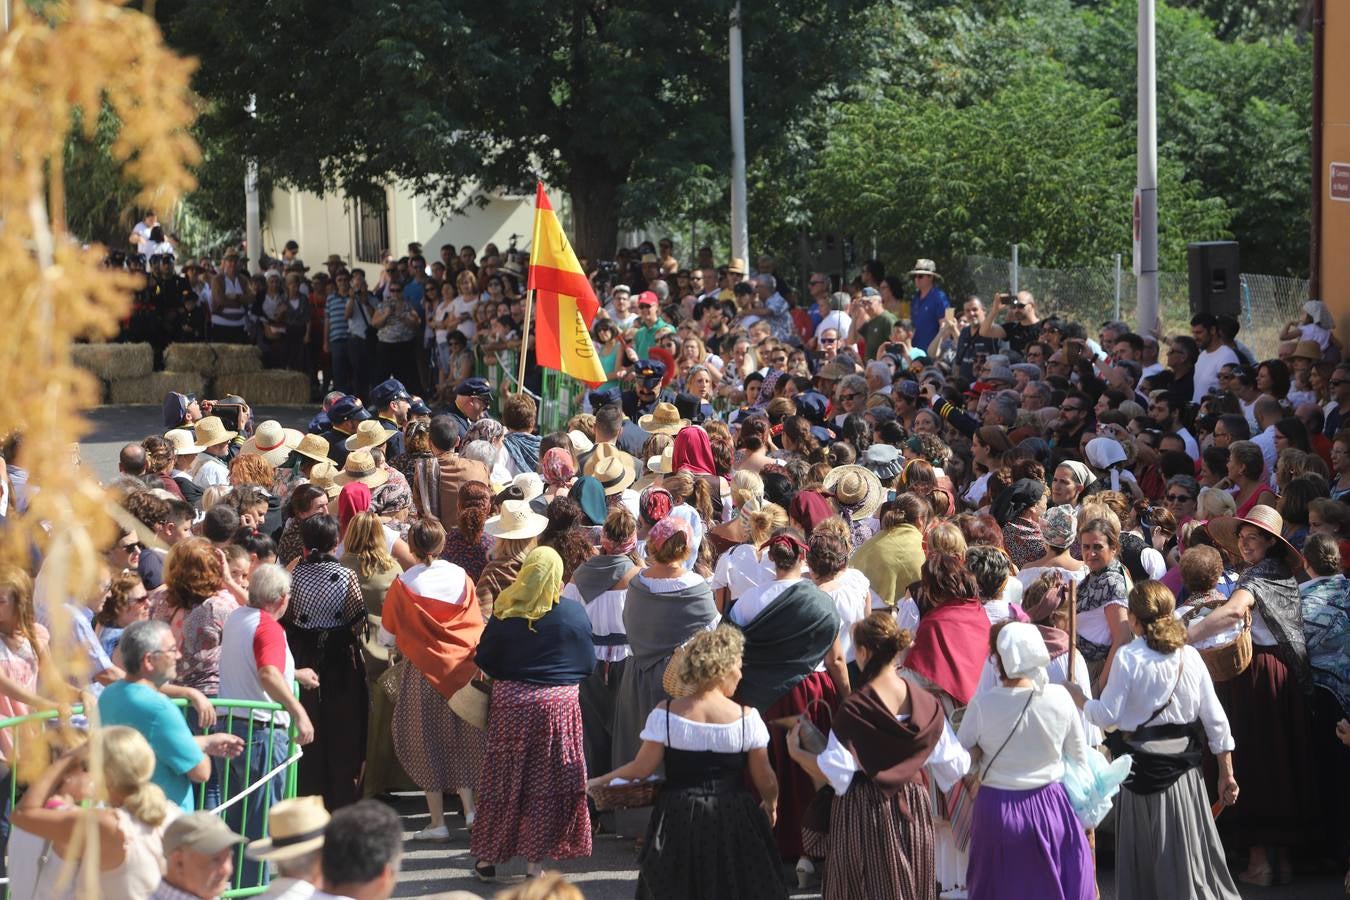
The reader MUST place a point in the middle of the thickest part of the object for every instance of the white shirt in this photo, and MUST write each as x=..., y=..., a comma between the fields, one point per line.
x=746, y=733
x=1266, y=441
x=1207, y=368
x=852, y=596
x=1048, y=733
x=839, y=321
x=210, y=472
x=740, y=569
x=756, y=601
x=606, y=614
x=1028, y=576
x=1192, y=447
x=1057, y=672
x=441, y=580
x=947, y=762
x=1142, y=679
x=463, y=306
x=289, y=889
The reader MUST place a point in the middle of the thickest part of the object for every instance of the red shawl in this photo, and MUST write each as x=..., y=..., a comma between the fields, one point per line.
x=693, y=452
x=438, y=638
x=950, y=647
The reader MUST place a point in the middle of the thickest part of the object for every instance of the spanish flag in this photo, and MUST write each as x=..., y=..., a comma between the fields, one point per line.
x=564, y=302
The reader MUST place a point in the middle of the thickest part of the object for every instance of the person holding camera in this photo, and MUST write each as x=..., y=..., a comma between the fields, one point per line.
x=1023, y=325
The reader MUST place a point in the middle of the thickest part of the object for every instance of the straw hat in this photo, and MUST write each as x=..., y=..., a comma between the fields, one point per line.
x=925, y=267
x=580, y=443
x=855, y=487
x=361, y=467
x=1309, y=350
x=614, y=473
x=184, y=442
x=211, y=431
x=324, y=475
x=530, y=484
x=516, y=522
x=663, y=464
x=313, y=447
x=665, y=419
x=296, y=828
x=1225, y=529
x=736, y=266
x=272, y=442
x=368, y=434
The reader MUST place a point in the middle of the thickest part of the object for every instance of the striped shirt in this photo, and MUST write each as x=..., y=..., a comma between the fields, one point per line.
x=337, y=318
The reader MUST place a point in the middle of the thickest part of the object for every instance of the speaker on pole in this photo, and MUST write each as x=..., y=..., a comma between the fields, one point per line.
x=1215, y=285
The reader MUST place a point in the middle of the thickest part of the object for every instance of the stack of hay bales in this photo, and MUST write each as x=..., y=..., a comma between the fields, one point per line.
x=271, y=387
x=127, y=374
x=237, y=369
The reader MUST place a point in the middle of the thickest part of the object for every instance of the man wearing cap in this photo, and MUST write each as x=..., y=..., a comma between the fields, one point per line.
x=212, y=467
x=391, y=401
x=473, y=396
x=929, y=303
x=650, y=324
x=344, y=416
x=646, y=392
x=198, y=858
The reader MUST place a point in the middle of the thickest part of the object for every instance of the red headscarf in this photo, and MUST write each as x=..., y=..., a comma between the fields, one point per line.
x=808, y=509
x=352, y=501
x=692, y=452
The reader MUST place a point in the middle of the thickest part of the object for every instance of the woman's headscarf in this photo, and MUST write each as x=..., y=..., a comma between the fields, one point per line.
x=1106, y=453
x=655, y=504
x=1059, y=526
x=536, y=589
x=557, y=467
x=589, y=494
x=1014, y=500
x=1081, y=473
x=808, y=509
x=664, y=529
x=485, y=429
x=692, y=452
x=353, y=500
x=1023, y=653
x=766, y=390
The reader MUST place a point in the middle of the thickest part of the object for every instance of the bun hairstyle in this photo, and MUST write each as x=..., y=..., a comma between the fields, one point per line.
x=710, y=655
x=319, y=534
x=128, y=764
x=426, y=538
x=754, y=434
x=475, y=505
x=674, y=549
x=826, y=554
x=905, y=509
x=1152, y=604
x=764, y=521
x=620, y=526
x=1322, y=552
x=746, y=486
x=882, y=639
x=786, y=549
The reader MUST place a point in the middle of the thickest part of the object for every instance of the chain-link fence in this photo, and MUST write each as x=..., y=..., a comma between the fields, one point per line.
x=1096, y=294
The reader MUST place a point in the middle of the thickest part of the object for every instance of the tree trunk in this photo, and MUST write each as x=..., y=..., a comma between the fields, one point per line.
x=594, y=189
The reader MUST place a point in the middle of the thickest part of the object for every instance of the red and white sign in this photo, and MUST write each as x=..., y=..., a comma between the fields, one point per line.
x=1338, y=185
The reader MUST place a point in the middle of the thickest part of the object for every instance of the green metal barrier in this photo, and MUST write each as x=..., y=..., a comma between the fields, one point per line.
x=224, y=709
x=560, y=399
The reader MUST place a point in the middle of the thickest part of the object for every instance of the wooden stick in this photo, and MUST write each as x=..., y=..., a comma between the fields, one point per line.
x=525, y=340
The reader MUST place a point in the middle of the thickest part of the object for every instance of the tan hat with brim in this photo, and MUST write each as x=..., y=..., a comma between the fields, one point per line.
x=212, y=431
x=295, y=827
x=369, y=433
x=665, y=419
x=360, y=466
x=1309, y=350
x=516, y=522
x=856, y=487
x=184, y=442
x=615, y=473
x=1224, y=530
x=325, y=475
x=313, y=447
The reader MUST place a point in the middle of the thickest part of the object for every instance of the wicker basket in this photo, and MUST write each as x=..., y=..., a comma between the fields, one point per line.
x=627, y=796
x=471, y=703
x=671, y=681
x=1229, y=660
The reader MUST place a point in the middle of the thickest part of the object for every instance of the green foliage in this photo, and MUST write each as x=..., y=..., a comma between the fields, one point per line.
x=100, y=202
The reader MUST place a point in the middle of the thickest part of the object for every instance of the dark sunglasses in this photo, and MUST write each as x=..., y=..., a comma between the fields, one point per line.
x=136, y=547
x=849, y=396
x=826, y=340
x=1017, y=305
x=1179, y=498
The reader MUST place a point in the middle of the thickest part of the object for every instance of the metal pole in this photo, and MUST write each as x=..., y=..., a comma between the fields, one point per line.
x=252, y=210
x=740, y=228
x=1014, y=273
x=1117, y=287
x=1318, y=101
x=1147, y=158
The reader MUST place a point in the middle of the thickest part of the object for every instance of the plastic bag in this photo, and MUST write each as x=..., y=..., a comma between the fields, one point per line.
x=1091, y=787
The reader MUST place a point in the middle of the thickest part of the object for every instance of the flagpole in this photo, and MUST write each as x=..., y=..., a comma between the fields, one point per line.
x=525, y=341
x=529, y=289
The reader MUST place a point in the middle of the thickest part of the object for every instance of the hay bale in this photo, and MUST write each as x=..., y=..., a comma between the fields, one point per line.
x=274, y=386
x=211, y=360
x=152, y=388
x=112, y=361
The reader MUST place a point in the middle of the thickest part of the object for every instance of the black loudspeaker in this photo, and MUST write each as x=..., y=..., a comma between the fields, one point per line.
x=1215, y=284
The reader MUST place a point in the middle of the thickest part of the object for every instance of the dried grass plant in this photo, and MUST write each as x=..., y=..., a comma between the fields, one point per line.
x=60, y=57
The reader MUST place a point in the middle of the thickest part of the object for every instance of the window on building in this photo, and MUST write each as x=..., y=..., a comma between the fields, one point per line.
x=372, y=229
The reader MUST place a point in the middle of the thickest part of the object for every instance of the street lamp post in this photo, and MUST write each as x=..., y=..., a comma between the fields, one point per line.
x=740, y=229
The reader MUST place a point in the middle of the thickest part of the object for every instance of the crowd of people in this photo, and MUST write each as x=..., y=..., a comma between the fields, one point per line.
x=893, y=596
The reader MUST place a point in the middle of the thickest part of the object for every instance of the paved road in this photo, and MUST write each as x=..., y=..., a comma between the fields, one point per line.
x=432, y=869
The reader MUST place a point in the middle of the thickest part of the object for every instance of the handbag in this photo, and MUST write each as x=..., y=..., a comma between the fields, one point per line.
x=390, y=680
x=472, y=702
x=671, y=682
x=1226, y=661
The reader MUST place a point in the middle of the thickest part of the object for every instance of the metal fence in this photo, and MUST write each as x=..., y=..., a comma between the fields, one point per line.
x=1095, y=294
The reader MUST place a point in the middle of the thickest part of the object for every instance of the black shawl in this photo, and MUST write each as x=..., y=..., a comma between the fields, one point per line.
x=785, y=643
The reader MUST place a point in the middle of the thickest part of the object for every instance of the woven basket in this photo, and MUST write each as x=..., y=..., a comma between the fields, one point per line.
x=471, y=703
x=671, y=681
x=627, y=796
x=1227, y=661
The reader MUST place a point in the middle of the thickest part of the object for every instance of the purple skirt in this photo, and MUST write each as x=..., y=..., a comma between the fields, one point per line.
x=1028, y=844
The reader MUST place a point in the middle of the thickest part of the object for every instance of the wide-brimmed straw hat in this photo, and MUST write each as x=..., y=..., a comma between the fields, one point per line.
x=530, y=484
x=211, y=431
x=368, y=435
x=665, y=419
x=313, y=447
x=325, y=475
x=184, y=442
x=295, y=828
x=925, y=267
x=516, y=522
x=615, y=473
x=272, y=442
x=663, y=463
x=855, y=487
x=1224, y=530
x=360, y=466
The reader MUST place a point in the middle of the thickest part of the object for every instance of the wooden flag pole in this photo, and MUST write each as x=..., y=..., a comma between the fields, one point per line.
x=524, y=341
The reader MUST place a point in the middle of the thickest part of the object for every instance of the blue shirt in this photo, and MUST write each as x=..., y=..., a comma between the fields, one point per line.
x=927, y=314
x=163, y=727
x=337, y=317
x=413, y=292
x=83, y=637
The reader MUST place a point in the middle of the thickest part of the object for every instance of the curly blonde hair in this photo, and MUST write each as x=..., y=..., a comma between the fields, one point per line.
x=710, y=655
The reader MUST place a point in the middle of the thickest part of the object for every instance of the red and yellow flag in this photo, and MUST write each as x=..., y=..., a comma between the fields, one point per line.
x=564, y=301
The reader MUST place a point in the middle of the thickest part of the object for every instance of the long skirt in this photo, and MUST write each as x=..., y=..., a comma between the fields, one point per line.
x=1167, y=845
x=532, y=787
x=438, y=749
x=1028, y=844
x=383, y=772
x=331, y=766
x=877, y=851
x=640, y=692
x=599, y=696
x=795, y=790
x=1273, y=759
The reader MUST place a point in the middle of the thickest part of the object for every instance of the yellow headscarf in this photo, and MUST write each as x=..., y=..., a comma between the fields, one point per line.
x=535, y=591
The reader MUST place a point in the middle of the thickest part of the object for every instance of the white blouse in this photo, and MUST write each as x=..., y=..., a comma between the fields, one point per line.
x=852, y=596
x=1047, y=734
x=1057, y=672
x=606, y=615
x=739, y=570
x=1028, y=577
x=947, y=763
x=1141, y=680
x=746, y=733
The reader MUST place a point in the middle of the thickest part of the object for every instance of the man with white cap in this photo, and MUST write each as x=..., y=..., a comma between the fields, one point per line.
x=295, y=848
x=185, y=450
x=198, y=858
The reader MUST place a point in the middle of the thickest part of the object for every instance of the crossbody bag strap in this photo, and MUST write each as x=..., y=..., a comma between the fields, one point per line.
x=1013, y=731
x=1181, y=664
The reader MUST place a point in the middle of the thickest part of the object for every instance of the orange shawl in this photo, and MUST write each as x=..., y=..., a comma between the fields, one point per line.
x=437, y=637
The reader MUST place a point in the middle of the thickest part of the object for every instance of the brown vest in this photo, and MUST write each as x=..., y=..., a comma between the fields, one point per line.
x=452, y=472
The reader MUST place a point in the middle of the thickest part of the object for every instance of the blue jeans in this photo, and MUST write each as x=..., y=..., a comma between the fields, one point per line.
x=205, y=796
x=264, y=750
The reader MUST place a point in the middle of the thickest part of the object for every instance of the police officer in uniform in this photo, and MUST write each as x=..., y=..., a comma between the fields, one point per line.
x=646, y=392
x=391, y=401
x=473, y=396
x=344, y=416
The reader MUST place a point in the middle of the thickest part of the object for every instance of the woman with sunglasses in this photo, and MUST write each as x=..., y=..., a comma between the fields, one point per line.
x=127, y=602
